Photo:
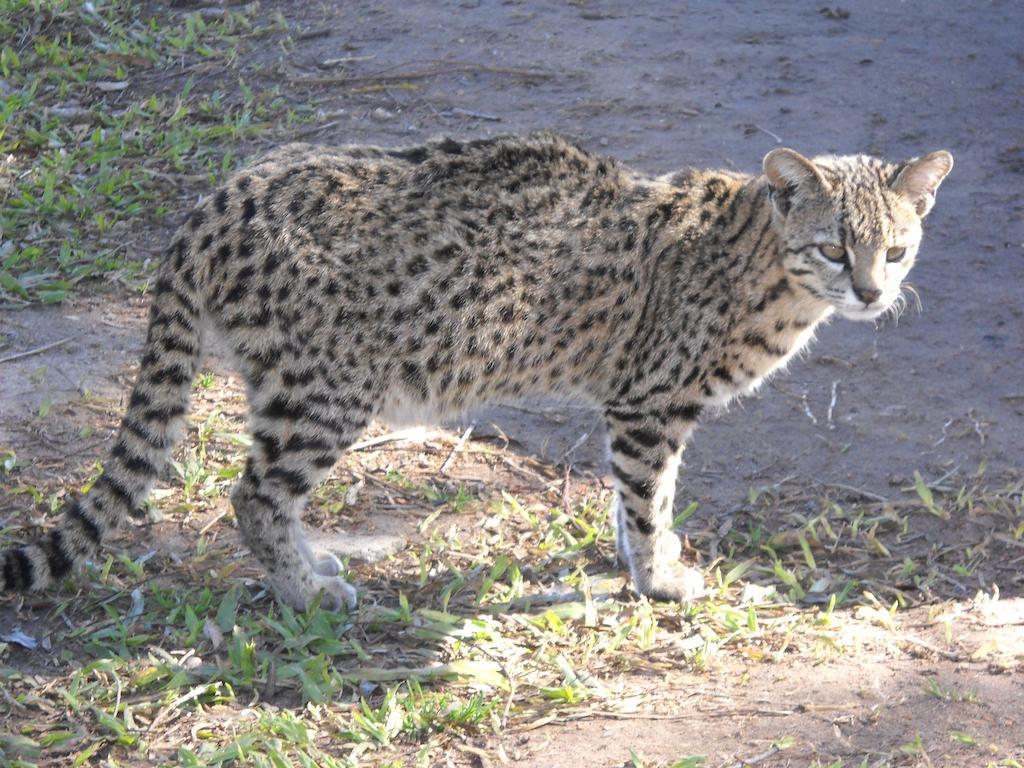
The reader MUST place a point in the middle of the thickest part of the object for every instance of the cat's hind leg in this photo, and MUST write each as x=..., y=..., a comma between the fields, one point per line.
x=294, y=448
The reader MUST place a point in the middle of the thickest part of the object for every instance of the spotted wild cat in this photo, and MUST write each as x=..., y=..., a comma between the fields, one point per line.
x=413, y=283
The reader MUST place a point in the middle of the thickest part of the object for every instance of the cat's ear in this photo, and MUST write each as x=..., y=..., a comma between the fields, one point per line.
x=791, y=173
x=920, y=178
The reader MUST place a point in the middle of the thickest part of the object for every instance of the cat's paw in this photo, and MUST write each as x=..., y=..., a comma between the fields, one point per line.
x=671, y=583
x=335, y=593
x=327, y=565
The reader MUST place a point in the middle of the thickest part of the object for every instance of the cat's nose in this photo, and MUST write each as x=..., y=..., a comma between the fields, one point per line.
x=867, y=295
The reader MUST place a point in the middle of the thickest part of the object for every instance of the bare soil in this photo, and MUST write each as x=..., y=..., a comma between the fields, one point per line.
x=662, y=85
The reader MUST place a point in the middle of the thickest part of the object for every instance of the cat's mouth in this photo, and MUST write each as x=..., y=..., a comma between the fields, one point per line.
x=860, y=311
x=852, y=307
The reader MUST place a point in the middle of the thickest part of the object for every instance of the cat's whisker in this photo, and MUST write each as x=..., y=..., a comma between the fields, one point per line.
x=899, y=306
x=897, y=309
x=908, y=288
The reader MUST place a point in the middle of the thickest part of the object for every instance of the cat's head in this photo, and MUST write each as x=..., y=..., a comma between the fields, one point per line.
x=849, y=227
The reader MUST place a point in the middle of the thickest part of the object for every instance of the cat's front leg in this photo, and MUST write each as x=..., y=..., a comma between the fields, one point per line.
x=645, y=454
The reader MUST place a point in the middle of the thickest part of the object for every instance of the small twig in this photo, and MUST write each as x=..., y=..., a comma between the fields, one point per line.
x=416, y=434
x=313, y=34
x=833, y=361
x=314, y=130
x=937, y=484
x=931, y=648
x=171, y=708
x=477, y=115
x=945, y=427
x=832, y=405
x=858, y=491
x=454, y=69
x=523, y=470
x=977, y=426
x=213, y=522
x=11, y=700
x=744, y=763
x=390, y=488
x=572, y=448
x=807, y=409
x=36, y=351
x=950, y=580
x=328, y=63
x=482, y=755
x=566, y=505
x=812, y=708
x=455, y=451
x=778, y=139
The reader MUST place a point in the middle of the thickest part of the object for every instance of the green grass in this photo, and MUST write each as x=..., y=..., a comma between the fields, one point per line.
x=520, y=619
x=468, y=633
x=506, y=610
x=94, y=151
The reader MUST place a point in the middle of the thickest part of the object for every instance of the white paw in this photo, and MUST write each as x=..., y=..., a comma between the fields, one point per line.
x=673, y=582
x=691, y=584
x=666, y=548
x=328, y=565
x=337, y=593
x=300, y=592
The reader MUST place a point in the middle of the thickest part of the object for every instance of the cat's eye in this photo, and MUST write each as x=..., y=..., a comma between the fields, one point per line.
x=833, y=252
x=895, y=254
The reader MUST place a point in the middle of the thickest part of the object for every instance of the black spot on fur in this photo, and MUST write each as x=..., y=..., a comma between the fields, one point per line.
x=644, y=526
x=270, y=444
x=86, y=523
x=294, y=481
x=625, y=448
x=637, y=487
x=57, y=558
x=413, y=376
x=118, y=489
x=17, y=570
x=450, y=147
x=413, y=155
x=684, y=412
x=645, y=437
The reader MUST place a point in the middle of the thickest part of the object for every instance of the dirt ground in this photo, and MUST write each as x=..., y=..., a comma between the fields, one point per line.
x=667, y=84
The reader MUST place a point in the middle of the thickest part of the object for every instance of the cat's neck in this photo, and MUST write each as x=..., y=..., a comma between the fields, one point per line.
x=779, y=316
x=724, y=277
x=721, y=234
x=774, y=295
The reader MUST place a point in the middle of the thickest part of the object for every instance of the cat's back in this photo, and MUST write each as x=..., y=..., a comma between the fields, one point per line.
x=354, y=203
x=506, y=163
x=476, y=172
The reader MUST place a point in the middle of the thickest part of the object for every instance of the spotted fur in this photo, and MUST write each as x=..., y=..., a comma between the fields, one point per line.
x=414, y=283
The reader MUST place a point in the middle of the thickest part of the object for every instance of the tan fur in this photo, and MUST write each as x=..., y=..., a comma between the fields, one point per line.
x=364, y=282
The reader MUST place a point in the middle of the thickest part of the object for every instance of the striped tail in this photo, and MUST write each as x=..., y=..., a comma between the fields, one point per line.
x=151, y=428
